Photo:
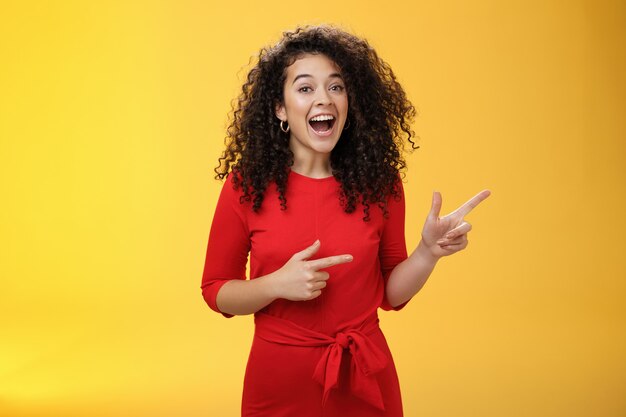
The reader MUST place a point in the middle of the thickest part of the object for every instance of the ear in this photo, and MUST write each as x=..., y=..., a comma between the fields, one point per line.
x=280, y=112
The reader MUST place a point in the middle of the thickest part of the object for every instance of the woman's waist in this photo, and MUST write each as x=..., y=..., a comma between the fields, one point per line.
x=304, y=327
x=363, y=341
x=320, y=317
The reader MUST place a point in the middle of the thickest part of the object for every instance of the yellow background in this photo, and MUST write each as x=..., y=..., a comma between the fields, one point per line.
x=112, y=116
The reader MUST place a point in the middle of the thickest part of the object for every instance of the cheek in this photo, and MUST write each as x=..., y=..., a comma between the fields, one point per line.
x=296, y=105
x=342, y=101
x=344, y=105
x=302, y=104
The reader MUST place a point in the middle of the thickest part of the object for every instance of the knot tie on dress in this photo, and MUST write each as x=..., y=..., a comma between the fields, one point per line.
x=366, y=358
x=342, y=340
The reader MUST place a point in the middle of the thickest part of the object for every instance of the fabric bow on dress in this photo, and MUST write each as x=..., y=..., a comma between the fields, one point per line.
x=367, y=358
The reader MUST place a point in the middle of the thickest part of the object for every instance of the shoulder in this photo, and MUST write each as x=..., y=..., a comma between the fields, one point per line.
x=232, y=191
x=395, y=198
x=230, y=188
x=396, y=190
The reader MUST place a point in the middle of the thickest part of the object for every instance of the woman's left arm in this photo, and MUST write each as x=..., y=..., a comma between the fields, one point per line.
x=441, y=236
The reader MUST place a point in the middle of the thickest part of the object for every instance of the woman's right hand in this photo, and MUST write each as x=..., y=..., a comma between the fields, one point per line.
x=300, y=279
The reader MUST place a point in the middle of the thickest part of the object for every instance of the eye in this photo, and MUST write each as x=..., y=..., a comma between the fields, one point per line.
x=305, y=89
x=337, y=87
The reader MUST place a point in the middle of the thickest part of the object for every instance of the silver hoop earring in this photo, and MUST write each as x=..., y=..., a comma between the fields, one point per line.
x=283, y=127
x=345, y=127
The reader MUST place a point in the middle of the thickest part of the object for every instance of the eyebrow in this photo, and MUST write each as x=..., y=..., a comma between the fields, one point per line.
x=333, y=75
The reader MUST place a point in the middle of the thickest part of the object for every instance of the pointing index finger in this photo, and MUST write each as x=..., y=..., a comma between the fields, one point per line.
x=472, y=203
x=329, y=261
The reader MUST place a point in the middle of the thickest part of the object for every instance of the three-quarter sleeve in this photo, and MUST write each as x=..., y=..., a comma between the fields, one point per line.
x=392, y=248
x=228, y=245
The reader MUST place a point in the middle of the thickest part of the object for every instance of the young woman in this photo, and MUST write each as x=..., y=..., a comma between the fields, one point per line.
x=313, y=194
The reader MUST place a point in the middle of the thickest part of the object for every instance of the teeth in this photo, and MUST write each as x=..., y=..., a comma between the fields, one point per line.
x=322, y=118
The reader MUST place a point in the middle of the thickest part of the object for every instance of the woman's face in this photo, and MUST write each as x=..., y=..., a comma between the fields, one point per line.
x=315, y=105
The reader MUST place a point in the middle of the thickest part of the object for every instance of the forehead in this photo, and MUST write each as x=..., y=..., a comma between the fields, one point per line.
x=317, y=65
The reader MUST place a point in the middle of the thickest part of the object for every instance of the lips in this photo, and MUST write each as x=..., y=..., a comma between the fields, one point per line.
x=322, y=124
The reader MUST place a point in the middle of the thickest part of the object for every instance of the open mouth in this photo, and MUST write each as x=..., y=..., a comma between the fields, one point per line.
x=322, y=124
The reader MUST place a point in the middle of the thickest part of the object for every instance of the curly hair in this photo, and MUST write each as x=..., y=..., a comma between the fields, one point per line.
x=367, y=160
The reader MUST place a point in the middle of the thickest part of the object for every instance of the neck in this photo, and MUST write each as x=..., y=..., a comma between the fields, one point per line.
x=317, y=167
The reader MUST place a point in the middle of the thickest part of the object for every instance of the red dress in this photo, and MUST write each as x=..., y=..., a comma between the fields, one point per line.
x=326, y=356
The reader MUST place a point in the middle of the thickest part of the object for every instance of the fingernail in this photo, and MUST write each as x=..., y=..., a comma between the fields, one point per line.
x=449, y=235
x=440, y=241
x=348, y=257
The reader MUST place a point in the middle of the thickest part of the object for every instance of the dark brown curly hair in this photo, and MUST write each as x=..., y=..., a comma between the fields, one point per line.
x=367, y=159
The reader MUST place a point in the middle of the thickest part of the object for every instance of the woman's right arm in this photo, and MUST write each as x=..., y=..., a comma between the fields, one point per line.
x=224, y=285
x=240, y=297
x=300, y=279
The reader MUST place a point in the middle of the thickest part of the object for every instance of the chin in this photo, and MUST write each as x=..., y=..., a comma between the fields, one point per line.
x=324, y=147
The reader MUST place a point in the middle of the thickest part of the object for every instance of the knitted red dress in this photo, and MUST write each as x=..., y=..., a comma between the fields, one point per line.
x=326, y=356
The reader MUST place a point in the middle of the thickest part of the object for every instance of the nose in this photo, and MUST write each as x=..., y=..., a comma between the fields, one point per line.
x=322, y=98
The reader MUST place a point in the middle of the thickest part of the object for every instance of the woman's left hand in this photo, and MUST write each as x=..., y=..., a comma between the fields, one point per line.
x=443, y=236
